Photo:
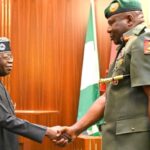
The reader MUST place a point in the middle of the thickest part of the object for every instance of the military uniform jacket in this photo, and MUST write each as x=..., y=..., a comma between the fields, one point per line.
x=126, y=125
x=10, y=125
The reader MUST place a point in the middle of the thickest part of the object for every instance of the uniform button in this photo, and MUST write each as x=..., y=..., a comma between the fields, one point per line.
x=133, y=129
x=104, y=122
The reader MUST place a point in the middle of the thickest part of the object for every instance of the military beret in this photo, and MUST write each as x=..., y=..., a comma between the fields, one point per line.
x=4, y=44
x=120, y=6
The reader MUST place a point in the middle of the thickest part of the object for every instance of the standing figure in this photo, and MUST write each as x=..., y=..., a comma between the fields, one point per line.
x=126, y=104
x=10, y=125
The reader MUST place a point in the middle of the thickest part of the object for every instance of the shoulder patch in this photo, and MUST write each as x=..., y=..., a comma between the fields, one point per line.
x=146, y=46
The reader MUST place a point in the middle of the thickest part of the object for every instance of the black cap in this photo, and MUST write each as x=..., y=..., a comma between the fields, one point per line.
x=4, y=44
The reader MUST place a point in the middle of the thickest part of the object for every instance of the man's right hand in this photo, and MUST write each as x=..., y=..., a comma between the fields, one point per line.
x=68, y=134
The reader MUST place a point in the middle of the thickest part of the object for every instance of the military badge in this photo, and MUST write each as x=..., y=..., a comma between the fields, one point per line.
x=114, y=7
x=146, y=46
x=126, y=38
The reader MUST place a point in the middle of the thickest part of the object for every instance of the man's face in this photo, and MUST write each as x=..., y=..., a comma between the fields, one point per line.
x=6, y=63
x=118, y=24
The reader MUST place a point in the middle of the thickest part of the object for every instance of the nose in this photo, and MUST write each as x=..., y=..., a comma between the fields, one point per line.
x=10, y=59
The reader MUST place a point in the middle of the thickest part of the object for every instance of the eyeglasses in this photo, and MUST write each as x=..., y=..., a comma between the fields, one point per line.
x=7, y=55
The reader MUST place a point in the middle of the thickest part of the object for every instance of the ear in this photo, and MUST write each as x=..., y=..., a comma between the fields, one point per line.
x=130, y=20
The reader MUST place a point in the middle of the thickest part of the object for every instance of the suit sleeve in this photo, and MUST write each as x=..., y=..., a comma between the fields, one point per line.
x=22, y=127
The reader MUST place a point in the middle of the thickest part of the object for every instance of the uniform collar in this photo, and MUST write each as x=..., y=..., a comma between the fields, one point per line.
x=134, y=32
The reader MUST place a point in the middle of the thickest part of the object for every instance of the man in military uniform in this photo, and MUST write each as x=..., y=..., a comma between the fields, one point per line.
x=10, y=125
x=126, y=103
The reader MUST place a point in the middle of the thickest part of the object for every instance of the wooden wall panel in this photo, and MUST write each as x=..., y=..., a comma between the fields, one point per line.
x=5, y=17
x=146, y=10
x=47, y=53
x=104, y=43
x=0, y=17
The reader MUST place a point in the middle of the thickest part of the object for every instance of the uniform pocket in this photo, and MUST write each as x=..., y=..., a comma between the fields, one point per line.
x=133, y=125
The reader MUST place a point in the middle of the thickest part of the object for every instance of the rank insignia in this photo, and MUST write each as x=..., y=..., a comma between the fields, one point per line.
x=126, y=38
x=146, y=46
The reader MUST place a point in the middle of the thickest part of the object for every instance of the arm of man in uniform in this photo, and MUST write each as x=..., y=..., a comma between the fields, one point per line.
x=147, y=92
x=95, y=112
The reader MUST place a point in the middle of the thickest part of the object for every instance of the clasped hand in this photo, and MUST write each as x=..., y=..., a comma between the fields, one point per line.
x=61, y=136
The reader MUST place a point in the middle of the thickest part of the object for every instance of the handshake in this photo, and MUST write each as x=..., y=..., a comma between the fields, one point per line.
x=61, y=136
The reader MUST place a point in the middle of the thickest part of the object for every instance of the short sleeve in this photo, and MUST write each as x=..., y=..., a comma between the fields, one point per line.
x=140, y=65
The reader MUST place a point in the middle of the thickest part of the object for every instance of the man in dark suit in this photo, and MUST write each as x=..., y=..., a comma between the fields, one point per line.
x=10, y=125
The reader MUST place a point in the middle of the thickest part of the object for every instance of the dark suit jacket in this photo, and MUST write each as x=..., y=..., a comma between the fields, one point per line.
x=10, y=125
